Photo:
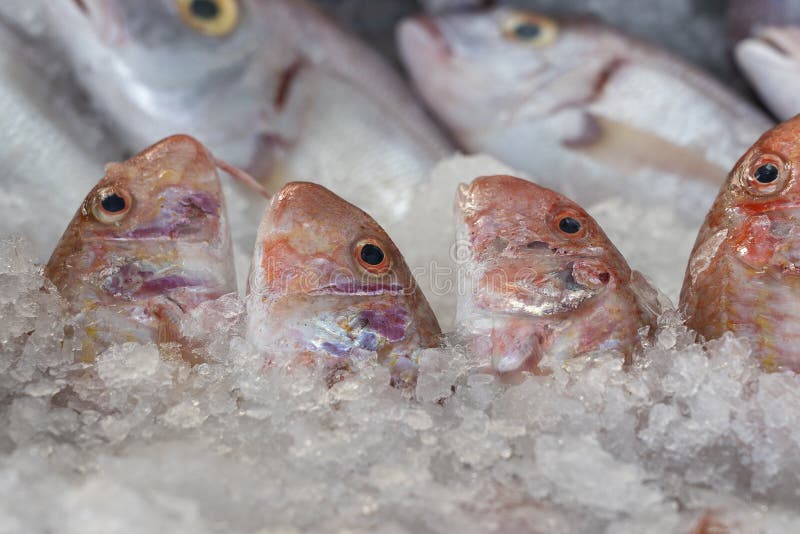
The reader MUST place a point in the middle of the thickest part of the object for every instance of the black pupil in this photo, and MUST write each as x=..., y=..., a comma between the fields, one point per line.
x=527, y=31
x=205, y=9
x=113, y=203
x=569, y=225
x=371, y=254
x=767, y=173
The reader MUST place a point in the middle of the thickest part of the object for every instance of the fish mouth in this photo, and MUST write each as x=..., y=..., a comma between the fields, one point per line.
x=353, y=288
x=547, y=294
x=422, y=36
x=781, y=41
x=776, y=46
x=133, y=281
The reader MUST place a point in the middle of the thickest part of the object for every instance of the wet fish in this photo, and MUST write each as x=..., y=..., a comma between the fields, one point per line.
x=744, y=274
x=585, y=109
x=149, y=243
x=327, y=285
x=270, y=86
x=45, y=167
x=771, y=61
x=540, y=278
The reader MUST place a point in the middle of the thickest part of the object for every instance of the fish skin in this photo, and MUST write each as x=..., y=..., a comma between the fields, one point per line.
x=133, y=279
x=743, y=273
x=286, y=96
x=260, y=97
x=310, y=298
x=570, y=111
x=531, y=290
x=490, y=90
x=35, y=134
x=770, y=59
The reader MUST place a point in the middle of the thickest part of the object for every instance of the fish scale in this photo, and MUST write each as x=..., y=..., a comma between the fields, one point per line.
x=742, y=276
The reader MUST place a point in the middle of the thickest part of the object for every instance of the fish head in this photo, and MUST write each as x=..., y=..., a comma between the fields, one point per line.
x=771, y=61
x=155, y=67
x=153, y=228
x=757, y=212
x=159, y=45
x=480, y=70
x=328, y=278
x=531, y=251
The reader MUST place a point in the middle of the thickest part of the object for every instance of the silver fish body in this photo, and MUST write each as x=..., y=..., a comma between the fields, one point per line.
x=770, y=58
x=44, y=168
x=583, y=109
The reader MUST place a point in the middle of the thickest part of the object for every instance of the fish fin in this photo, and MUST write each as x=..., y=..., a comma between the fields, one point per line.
x=169, y=333
x=242, y=177
x=629, y=149
x=268, y=164
x=519, y=352
x=648, y=297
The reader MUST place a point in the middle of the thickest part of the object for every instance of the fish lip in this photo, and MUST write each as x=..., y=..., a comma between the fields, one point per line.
x=424, y=30
x=359, y=289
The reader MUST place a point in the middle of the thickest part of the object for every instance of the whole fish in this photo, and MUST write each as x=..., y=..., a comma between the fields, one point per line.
x=149, y=243
x=744, y=272
x=541, y=278
x=770, y=59
x=587, y=110
x=272, y=86
x=328, y=286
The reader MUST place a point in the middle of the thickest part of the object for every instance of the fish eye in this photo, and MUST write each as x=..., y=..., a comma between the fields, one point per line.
x=766, y=176
x=568, y=222
x=111, y=205
x=568, y=225
x=213, y=18
x=530, y=29
x=371, y=256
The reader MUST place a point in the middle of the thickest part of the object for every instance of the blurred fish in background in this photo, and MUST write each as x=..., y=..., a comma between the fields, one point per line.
x=50, y=154
x=767, y=37
x=586, y=110
x=273, y=87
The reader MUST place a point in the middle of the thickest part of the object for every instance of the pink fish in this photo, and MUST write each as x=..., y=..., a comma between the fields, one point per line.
x=541, y=278
x=149, y=243
x=328, y=286
x=744, y=272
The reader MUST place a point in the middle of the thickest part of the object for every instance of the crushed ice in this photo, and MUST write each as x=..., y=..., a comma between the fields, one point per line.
x=689, y=437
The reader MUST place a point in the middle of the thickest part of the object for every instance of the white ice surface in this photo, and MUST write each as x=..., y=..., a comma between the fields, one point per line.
x=139, y=441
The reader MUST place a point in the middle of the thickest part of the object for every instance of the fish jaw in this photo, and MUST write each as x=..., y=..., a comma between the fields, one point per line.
x=309, y=298
x=771, y=61
x=170, y=251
